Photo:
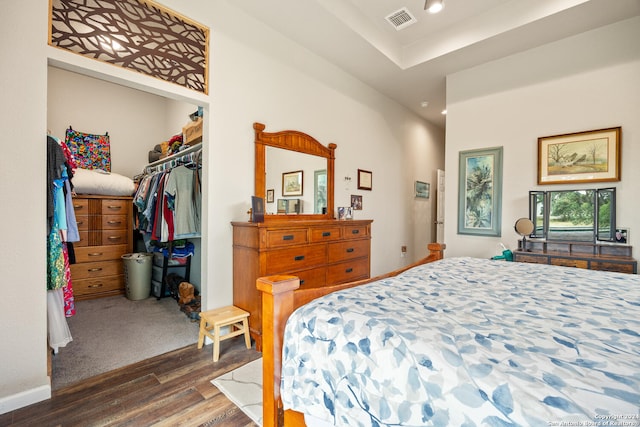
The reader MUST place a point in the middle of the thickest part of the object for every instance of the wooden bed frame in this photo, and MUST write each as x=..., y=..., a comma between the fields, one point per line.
x=280, y=297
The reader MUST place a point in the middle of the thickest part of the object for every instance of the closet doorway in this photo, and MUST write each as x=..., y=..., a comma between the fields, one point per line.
x=136, y=121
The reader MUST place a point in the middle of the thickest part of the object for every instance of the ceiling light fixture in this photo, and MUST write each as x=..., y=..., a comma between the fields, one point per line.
x=433, y=6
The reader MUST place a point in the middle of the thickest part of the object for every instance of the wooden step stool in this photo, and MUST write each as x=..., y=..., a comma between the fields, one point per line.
x=237, y=320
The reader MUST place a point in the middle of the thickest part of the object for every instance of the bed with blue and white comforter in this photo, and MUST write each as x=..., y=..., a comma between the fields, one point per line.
x=471, y=342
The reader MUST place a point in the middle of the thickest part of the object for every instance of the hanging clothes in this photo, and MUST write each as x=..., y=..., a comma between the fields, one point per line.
x=62, y=222
x=182, y=202
x=168, y=201
x=59, y=334
x=60, y=302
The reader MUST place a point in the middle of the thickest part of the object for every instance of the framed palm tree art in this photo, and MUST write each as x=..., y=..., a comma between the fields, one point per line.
x=480, y=192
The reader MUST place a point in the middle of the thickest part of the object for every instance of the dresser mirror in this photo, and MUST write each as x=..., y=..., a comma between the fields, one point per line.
x=312, y=195
x=285, y=155
x=574, y=215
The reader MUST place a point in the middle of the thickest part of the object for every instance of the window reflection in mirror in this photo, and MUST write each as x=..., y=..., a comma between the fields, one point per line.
x=279, y=161
x=571, y=215
x=537, y=213
x=320, y=191
x=606, y=214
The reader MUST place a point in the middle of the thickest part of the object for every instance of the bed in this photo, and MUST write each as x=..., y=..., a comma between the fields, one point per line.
x=455, y=341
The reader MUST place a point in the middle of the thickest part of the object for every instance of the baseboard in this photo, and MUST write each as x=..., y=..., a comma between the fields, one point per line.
x=24, y=398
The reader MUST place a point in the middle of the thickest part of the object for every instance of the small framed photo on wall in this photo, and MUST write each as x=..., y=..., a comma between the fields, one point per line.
x=356, y=202
x=422, y=189
x=270, y=196
x=365, y=179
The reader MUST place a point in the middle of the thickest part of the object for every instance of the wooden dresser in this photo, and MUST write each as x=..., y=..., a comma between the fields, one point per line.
x=593, y=256
x=319, y=252
x=106, y=233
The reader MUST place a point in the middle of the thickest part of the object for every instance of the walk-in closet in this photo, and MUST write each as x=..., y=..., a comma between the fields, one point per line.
x=108, y=329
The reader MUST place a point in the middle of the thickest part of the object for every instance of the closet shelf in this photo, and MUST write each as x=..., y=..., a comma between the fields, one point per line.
x=192, y=149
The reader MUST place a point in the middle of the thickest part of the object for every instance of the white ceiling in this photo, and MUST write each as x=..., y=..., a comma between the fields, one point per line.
x=410, y=65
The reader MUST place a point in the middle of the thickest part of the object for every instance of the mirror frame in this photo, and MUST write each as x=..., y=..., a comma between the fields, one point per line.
x=536, y=198
x=295, y=141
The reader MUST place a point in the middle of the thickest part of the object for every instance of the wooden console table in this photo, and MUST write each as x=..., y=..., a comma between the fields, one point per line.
x=592, y=256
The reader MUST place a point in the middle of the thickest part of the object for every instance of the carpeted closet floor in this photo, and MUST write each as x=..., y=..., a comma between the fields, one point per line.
x=112, y=332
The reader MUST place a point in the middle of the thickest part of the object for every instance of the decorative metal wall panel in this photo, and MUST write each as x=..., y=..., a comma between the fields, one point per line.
x=135, y=34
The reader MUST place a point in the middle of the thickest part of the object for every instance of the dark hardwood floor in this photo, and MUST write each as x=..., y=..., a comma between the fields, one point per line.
x=173, y=389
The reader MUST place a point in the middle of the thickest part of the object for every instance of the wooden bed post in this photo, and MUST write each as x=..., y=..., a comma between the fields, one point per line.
x=277, y=305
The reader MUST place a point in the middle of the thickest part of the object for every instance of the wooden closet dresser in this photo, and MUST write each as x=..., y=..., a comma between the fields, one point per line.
x=105, y=224
x=319, y=252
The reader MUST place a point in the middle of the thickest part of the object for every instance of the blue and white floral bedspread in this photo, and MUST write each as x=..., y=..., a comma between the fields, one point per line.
x=470, y=342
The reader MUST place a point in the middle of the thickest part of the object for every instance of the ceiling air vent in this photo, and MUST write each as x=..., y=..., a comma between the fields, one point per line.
x=401, y=19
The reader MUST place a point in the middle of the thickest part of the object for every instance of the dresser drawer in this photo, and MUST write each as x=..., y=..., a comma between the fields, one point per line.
x=100, y=253
x=348, y=271
x=293, y=259
x=82, y=222
x=114, y=206
x=114, y=237
x=279, y=238
x=531, y=259
x=88, y=270
x=613, y=266
x=354, y=231
x=314, y=278
x=569, y=262
x=84, y=239
x=113, y=222
x=325, y=234
x=88, y=287
x=81, y=206
x=341, y=251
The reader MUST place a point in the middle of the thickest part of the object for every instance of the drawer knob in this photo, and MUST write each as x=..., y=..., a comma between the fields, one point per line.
x=79, y=222
x=114, y=207
x=95, y=269
x=355, y=231
x=349, y=250
x=114, y=238
x=326, y=234
x=299, y=258
x=112, y=222
x=301, y=282
x=287, y=237
x=348, y=270
x=96, y=254
x=97, y=285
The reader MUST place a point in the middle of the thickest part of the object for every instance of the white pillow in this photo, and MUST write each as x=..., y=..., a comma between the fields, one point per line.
x=95, y=181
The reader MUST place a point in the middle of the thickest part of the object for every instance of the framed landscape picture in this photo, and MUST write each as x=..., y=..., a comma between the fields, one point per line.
x=292, y=183
x=590, y=156
x=480, y=192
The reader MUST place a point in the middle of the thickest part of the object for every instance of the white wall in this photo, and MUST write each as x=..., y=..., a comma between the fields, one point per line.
x=23, y=84
x=255, y=75
x=590, y=81
x=135, y=120
x=262, y=77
